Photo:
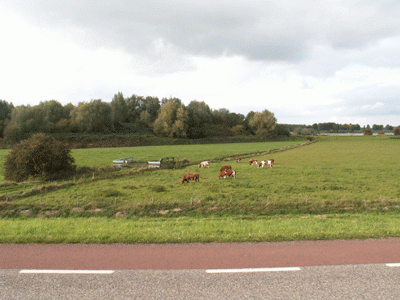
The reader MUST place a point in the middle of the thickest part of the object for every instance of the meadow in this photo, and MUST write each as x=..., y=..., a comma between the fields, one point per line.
x=338, y=187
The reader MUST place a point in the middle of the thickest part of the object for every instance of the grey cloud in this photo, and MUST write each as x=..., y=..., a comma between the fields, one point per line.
x=260, y=30
x=316, y=37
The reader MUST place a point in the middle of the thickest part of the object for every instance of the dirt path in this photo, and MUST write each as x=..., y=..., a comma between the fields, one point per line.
x=199, y=256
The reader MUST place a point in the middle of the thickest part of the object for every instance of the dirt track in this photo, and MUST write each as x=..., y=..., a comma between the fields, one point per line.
x=199, y=256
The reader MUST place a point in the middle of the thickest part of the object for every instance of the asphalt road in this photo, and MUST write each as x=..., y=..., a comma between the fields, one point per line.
x=330, y=270
x=375, y=281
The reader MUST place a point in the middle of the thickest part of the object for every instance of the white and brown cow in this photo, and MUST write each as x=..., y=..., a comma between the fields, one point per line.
x=252, y=162
x=227, y=173
x=268, y=162
x=238, y=159
x=205, y=163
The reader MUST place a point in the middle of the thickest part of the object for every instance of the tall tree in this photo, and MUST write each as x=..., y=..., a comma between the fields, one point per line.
x=133, y=109
x=263, y=124
x=51, y=113
x=180, y=126
x=172, y=119
x=165, y=120
x=151, y=105
x=94, y=116
x=200, y=119
x=5, y=115
x=24, y=120
x=119, y=108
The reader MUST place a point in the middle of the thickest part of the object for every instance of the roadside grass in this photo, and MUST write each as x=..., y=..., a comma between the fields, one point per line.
x=200, y=230
x=337, y=188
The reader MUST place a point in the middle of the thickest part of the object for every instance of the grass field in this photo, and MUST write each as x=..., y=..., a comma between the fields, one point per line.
x=105, y=156
x=333, y=188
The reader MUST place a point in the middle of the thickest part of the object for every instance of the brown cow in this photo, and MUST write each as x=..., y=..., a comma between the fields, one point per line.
x=190, y=176
x=226, y=167
x=228, y=173
x=238, y=159
x=195, y=176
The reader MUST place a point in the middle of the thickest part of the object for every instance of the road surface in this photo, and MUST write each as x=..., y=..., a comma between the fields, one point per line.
x=366, y=269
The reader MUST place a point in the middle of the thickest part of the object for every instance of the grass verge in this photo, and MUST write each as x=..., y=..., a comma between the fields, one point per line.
x=200, y=230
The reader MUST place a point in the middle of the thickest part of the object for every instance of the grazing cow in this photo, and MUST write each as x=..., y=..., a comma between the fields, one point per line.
x=264, y=163
x=226, y=167
x=195, y=176
x=238, y=159
x=204, y=163
x=190, y=176
x=252, y=161
x=228, y=173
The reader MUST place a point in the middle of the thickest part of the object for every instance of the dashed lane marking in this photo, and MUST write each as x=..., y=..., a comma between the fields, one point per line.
x=66, y=271
x=393, y=265
x=251, y=270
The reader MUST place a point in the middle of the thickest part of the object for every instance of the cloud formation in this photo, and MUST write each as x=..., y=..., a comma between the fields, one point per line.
x=320, y=60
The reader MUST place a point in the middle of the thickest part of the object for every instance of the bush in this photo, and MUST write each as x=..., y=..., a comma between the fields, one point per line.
x=40, y=155
x=367, y=132
x=396, y=130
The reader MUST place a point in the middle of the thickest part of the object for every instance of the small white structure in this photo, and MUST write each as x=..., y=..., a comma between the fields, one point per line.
x=157, y=164
x=122, y=161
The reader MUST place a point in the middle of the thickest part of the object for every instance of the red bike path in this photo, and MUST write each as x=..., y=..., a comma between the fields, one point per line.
x=198, y=256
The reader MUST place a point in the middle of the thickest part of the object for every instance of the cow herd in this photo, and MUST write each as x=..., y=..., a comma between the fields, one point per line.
x=226, y=170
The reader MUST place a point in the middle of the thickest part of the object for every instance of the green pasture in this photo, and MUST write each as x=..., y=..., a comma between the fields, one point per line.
x=332, y=188
x=105, y=156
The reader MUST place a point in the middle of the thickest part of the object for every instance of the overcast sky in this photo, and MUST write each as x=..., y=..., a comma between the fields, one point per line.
x=305, y=61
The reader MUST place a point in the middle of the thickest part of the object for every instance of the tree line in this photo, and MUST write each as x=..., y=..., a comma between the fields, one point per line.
x=334, y=128
x=136, y=114
x=148, y=115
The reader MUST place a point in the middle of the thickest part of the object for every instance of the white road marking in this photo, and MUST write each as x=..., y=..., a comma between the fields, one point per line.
x=393, y=265
x=253, y=270
x=66, y=271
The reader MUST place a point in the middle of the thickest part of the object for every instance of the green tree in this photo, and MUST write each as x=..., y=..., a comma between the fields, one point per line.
x=172, y=119
x=180, y=126
x=119, y=108
x=263, y=124
x=282, y=130
x=40, y=155
x=48, y=114
x=388, y=127
x=151, y=105
x=132, y=109
x=247, y=121
x=239, y=130
x=396, y=130
x=165, y=120
x=5, y=115
x=200, y=119
x=368, y=131
x=23, y=122
x=377, y=127
x=94, y=116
